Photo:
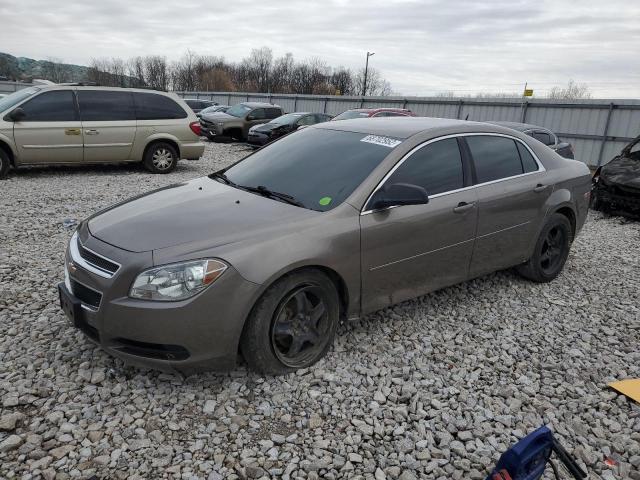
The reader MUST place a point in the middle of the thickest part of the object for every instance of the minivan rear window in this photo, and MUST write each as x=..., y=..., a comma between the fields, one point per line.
x=151, y=106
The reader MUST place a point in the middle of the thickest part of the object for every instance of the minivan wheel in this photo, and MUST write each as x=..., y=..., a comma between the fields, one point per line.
x=160, y=157
x=551, y=250
x=293, y=324
x=4, y=163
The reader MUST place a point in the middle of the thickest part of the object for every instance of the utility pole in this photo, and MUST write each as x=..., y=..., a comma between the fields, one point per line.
x=366, y=71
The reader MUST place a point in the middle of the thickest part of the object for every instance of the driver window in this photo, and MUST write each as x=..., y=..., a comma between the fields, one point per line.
x=437, y=168
x=258, y=114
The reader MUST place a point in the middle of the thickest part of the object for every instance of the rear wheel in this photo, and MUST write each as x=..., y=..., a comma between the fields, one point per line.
x=551, y=250
x=4, y=163
x=293, y=324
x=160, y=157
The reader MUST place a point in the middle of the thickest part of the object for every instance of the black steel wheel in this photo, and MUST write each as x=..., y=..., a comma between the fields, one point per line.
x=293, y=324
x=551, y=250
x=300, y=326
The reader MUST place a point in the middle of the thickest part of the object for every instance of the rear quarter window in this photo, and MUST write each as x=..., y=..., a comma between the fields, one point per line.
x=152, y=106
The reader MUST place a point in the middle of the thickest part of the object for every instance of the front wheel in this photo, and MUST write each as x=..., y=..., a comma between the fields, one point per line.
x=161, y=157
x=551, y=250
x=293, y=324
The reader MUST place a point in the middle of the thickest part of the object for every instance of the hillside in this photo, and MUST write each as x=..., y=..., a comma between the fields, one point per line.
x=22, y=68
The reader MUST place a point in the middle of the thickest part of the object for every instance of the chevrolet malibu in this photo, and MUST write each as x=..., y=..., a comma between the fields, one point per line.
x=267, y=256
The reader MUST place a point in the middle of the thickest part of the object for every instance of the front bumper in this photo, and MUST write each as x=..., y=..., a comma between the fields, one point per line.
x=257, y=138
x=200, y=333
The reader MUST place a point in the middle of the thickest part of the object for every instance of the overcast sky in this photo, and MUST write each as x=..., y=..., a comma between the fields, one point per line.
x=421, y=47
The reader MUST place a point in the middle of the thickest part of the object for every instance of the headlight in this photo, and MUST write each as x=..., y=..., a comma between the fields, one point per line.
x=176, y=281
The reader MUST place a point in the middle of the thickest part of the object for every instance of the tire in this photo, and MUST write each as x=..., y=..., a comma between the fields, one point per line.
x=298, y=313
x=551, y=251
x=160, y=157
x=4, y=164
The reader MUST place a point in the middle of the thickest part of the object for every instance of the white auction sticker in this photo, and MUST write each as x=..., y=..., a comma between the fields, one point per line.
x=384, y=141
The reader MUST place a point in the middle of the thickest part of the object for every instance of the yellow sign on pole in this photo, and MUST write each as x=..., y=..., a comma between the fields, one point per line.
x=528, y=92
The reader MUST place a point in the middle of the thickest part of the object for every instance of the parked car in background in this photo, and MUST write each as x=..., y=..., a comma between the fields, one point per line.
x=198, y=105
x=267, y=132
x=616, y=185
x=374, y=112
x=73, y=124
x=332, y=222
x=544, y=135
x=213, y=109
x=234, y=124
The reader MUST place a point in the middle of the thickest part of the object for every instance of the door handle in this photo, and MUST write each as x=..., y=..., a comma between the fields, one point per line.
x=540, y=188
x=463, y=207
x=72, y=131
x=91, y=132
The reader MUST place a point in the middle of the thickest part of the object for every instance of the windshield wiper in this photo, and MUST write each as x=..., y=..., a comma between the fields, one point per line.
x=265, y=192
x=223, y=177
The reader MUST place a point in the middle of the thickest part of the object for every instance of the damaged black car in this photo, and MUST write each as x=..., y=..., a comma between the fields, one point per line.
x=616, y=185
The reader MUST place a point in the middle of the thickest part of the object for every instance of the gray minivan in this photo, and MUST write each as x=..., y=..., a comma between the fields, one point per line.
x=75, y=124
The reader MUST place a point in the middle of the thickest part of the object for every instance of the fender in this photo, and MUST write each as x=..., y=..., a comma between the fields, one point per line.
x=559, y=198
x=8, y=141
x=139, y=148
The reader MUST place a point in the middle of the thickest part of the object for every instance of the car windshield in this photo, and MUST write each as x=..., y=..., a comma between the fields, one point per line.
x=210, y=109
x=238, y=110
x=351, y=114
x=319, y=168
x=16, y=97
x=286, y=119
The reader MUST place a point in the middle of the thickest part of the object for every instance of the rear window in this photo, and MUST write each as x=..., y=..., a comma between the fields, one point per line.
x=151, y=106
x=100, y=105
x=349, y=114
x=494, y=157
x=319, y=167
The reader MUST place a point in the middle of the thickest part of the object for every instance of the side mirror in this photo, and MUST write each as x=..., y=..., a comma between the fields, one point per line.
x=398, y=194
x=250, y=117
x=17, y=115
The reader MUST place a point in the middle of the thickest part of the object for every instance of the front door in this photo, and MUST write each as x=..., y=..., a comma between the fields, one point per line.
x=512, y=195
x=51, y=131
x=410, y=250
x=108, y=123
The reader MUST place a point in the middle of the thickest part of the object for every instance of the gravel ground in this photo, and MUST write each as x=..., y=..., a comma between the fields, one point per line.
x=436, y=387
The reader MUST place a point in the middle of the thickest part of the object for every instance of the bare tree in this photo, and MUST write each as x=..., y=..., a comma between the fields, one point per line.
x=258, y=72
x=53, y=69
x=572, y=91
x=343, y=82
x=376, y=85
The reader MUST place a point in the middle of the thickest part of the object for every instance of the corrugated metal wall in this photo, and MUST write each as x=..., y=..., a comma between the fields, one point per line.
x=598, y=129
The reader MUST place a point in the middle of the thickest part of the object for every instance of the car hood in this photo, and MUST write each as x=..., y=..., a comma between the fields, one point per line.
x=218, y=117
x=622, y=171
x=193, y=212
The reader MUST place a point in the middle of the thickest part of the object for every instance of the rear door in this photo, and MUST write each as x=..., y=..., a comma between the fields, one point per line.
x=413, y=249
x=51, y=132
x=512, y=193
x=109, y=124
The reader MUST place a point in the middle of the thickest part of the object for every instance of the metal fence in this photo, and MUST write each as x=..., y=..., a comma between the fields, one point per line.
x=10, y=87
x=598, y=129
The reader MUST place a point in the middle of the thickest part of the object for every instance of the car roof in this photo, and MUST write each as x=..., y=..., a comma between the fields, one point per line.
x=405, y=127
x=521, y=127
x=260, y=104
x=381, y=109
